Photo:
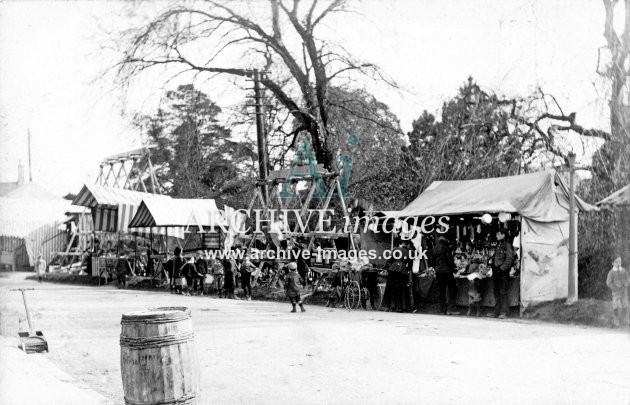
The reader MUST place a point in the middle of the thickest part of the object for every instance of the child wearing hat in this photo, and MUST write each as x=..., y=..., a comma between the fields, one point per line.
x=292, y=287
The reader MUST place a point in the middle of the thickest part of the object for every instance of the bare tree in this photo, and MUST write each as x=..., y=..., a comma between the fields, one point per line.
x=618, y=72
x=282, y=34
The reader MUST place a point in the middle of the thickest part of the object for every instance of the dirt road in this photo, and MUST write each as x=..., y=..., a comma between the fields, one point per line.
x=258, y=352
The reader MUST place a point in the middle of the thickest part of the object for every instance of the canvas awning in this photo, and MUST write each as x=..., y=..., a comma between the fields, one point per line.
x=619, y=198
x=540, y=196
x=113, y=208
x=92, y=196
x=177, y=213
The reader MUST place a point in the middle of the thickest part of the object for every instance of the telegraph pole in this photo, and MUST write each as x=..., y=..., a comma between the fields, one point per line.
x=573, y=276
x=260, y=135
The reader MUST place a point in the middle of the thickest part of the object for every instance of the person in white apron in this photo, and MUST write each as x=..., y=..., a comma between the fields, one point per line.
x=40, y=267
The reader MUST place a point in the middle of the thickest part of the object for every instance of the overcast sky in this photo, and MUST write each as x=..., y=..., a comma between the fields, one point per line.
x=50, y=56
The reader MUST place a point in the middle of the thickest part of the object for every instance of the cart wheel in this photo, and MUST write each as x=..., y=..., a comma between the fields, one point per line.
x=353, y=295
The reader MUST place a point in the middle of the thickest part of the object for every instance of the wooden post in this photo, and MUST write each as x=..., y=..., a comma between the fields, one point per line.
x=573, y=273
x=260, y=135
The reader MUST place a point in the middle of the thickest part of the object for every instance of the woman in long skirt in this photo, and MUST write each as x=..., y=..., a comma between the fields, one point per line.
x=397, y=293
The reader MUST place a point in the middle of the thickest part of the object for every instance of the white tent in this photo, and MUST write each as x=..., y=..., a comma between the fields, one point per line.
x=542, y=201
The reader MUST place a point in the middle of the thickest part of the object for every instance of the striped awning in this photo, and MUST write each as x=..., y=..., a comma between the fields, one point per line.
x=98, y=196
x=105, y=219
x=178, y=213
x=113, y=208
x=127, y=212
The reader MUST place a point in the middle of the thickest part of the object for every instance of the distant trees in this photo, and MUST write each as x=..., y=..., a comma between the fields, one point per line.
x=482, y=135
x=366, y=130
x=195, y=155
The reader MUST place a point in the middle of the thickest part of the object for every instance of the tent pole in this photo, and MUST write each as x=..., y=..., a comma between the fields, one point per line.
x=150, y=252
x=135, y=253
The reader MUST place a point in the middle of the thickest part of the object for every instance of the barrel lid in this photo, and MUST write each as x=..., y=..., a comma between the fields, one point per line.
x=164, y=313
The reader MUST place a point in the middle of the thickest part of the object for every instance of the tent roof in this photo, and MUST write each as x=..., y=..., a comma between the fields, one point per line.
x=540, y=196
x=27, y=190
x=20, y=216
x=177, y=213
x=92, y=196
x=619, y=197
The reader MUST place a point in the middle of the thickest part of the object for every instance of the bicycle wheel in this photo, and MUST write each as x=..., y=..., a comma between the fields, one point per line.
x=353, y=295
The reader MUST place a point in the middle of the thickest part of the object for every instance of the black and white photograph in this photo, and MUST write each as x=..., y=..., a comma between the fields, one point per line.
x=314, y=202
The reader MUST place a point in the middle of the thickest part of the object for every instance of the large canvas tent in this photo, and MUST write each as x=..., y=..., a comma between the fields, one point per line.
x=31, y=227
x=30, y=222
x=542, y=201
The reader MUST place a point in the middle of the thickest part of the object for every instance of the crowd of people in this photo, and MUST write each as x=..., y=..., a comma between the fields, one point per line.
x=404, y=286
x=198, y=274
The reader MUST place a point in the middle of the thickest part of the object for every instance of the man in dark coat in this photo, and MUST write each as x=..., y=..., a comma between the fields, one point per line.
x=501, y=265
x=444, y=266
x=202, y=269
x=178, y=269
x=121, y=271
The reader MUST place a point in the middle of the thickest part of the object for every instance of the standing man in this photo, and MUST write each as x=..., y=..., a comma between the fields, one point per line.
x=217, y=273
x=444, y=268
x=246, y=278
x=202, y=269
x=178, y=269
x=121, y=271
x=501, y=265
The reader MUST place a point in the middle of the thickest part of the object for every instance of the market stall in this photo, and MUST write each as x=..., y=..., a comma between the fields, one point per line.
x=199, y=222
x=533, y=208
x=112, y=209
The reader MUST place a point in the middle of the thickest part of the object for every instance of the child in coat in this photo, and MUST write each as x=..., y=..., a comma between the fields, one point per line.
x=618, y=281
x=292, y=287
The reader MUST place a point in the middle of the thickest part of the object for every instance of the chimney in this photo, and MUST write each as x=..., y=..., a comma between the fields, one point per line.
x=20, y=174
x=30, y=174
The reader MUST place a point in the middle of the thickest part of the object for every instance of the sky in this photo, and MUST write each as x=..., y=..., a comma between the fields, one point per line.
x=52, y=63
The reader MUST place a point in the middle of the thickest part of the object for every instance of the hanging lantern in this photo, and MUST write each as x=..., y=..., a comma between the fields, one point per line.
x=486, y=219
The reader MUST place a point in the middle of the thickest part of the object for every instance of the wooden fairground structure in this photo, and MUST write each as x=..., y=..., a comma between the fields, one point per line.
x=123, y=181
x=299, y=190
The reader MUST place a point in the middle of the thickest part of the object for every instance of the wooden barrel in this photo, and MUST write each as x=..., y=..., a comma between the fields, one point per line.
x=158, y=358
